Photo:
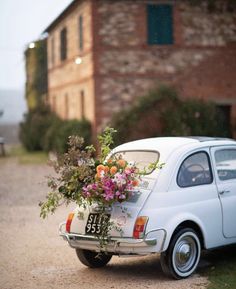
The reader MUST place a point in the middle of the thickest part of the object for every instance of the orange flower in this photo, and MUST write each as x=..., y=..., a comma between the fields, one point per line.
x=100, y=168
x=135, y=183
x=113, y=170
x=121, y=163
x=106, y=169
x=110, y=161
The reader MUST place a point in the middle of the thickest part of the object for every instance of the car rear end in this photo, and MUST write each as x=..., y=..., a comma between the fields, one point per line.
x=128, y=234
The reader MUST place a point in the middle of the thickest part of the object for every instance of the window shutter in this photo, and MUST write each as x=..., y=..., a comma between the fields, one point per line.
x=160, y=24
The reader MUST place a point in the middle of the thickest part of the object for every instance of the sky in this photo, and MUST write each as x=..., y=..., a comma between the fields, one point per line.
x=22, y=21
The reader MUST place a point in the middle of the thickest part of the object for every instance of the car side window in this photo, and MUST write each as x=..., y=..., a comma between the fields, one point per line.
x=195, y=170
x=226, y=164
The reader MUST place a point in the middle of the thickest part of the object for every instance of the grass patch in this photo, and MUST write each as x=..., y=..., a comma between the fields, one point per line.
x=25, y=157
x=222, y=271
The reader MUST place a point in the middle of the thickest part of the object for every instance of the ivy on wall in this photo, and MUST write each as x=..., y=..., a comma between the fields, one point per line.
x=36, y=74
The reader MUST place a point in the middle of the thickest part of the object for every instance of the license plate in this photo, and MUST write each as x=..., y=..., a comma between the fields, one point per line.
x=95, y=222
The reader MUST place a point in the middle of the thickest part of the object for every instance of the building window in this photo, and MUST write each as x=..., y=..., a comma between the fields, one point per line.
x=160, y=24
x=80, y=32
x=63, y=42
x=54, y=104
x=66, y=106
x=52, y=51
x=82, y=104
x=224, y=123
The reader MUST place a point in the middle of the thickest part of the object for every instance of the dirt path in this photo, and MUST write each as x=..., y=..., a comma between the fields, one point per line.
x=33, y=256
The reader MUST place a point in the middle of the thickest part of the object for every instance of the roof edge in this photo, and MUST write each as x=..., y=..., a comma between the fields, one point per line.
x=62, y=15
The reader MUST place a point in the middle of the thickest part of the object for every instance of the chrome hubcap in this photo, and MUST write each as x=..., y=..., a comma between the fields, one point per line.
x=185, y=254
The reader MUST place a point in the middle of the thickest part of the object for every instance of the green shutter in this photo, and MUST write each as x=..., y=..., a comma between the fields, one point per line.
x=160, y=24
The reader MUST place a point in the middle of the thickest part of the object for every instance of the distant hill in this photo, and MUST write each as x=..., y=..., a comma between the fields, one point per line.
x=13, y=106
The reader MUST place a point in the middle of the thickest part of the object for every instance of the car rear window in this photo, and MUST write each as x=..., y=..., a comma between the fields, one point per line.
x=141, y=159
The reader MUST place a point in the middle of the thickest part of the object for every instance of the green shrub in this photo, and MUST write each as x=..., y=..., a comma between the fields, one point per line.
x=34, y=127
x=43, y=130
x=162, y=113
x=57, y=135
x=195, y=118
x=144, y=118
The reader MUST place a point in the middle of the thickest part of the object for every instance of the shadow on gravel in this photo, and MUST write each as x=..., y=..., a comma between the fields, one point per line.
x=214, y=258
x=134, y=268
x=138, y=267
x=149, y=267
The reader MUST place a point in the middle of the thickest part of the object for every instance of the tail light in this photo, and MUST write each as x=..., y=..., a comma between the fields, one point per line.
x=68, y=222
x=139, y=227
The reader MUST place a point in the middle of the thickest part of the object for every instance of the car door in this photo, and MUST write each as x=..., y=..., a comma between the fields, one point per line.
x=224, y=159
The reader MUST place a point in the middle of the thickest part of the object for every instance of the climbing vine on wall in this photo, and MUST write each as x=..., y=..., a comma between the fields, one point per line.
x=36, y=73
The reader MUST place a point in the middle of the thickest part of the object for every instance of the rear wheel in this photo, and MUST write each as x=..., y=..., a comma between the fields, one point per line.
x=183, y=254
x=93, y=259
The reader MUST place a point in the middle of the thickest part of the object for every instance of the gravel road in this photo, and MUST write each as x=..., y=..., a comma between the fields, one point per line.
x=33, y=256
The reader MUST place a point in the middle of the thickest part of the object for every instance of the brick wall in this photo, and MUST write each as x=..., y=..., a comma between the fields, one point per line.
x=118, y=65
x=128, y=67
x=67, y=80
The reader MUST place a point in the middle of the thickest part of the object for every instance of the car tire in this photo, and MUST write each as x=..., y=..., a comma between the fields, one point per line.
x=93, y=259
x=182, y=256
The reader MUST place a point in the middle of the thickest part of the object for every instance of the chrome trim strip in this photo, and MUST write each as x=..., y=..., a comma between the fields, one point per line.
x=75, y=240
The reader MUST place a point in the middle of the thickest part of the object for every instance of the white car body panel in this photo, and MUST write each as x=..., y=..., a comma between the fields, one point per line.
x=168, y=205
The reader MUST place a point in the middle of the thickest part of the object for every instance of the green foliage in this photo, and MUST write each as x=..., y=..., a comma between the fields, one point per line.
x=25, y=157
x=53, y=201
x=34, y=128
x=43, y=130
x=36, y=71
x=221, y=269
x=162, y=113
x=75, y=169
x=57, y=134
x=106, y=141
x=195, y=117
x=144, y=118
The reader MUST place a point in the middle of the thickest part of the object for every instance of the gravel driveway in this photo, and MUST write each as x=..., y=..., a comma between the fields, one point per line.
x=33, y=256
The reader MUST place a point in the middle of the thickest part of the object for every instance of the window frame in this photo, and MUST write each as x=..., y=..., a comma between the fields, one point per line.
x=210, y=169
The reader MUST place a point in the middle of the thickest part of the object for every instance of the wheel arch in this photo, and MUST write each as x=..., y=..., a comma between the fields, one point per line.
x=192, y=225
x=186, y=223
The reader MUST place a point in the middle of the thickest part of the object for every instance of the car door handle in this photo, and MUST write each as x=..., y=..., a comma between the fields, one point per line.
x=224, y=192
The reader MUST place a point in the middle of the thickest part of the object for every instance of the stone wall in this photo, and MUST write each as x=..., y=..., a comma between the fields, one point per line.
x=204, y=28
x=118, y=65
x=128, y=67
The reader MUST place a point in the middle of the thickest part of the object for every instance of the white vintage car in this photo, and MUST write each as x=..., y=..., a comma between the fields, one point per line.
x=187, y=206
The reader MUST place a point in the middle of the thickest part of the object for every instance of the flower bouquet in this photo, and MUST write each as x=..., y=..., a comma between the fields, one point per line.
x=86, y=180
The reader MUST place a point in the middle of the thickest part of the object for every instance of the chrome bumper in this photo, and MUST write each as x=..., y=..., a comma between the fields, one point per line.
x=152, y=242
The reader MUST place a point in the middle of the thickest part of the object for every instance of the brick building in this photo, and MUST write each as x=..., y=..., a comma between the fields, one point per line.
x=103, y=54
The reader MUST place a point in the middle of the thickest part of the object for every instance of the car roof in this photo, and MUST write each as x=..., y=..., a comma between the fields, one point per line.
x=167, y=145
x=173, y=142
